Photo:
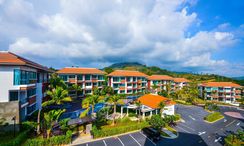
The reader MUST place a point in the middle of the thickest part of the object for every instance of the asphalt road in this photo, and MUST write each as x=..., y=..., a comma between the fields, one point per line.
x=193, y=131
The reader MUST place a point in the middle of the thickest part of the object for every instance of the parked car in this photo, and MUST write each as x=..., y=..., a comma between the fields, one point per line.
x=151, y=133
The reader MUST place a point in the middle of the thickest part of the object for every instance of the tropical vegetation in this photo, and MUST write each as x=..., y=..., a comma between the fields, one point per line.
x=213, y=117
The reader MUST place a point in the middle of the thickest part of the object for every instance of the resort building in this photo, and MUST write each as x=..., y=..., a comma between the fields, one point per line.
x=127, y=82
x=226, y=92
x=179, y=83
x=87, y=78
x=22, y=87
x=160, y=81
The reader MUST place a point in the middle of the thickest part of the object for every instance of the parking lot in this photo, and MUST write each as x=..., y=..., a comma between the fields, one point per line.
x=192, y=131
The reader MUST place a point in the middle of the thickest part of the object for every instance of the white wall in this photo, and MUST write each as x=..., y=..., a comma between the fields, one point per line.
x=169, y=110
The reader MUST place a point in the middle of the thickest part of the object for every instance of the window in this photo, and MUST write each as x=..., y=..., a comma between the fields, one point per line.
x=116, y=79
x=94, y=84
x=22, y=77
x=31, y=92
x=88, y=84
x=79, y=77
x=71, y=76
x=100, y=77
x=88, y=91
x=64, y=77
x=31, y=109
x=129, y=85
x=122, y=85
x=94, y=76
x=13, y=96
x=87, y=77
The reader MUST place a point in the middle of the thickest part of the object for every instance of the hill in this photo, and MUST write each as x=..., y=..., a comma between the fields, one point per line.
x=238, y=78
x=150, y=70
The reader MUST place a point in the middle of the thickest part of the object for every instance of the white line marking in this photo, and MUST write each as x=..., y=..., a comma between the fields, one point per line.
x=238, y=124
x=104, y=143
x=183, y=129
x=148, y=138
x=186, y=126
x=216, y=140
x=87, y=144
x=192, y=118
x=201, y=133
x=230, y=123
x=225, y=120
x=135, y=140
x=121, y=141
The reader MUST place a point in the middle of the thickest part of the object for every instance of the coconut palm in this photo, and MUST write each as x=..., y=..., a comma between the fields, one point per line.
x=138, y=104
x=155, y=87
x=56, y=81
x=51, y=118
x=114, y=100
x=91, y=101
x=77, y=88
x=161, y=106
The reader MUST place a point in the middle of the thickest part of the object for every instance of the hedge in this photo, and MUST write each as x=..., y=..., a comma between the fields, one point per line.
x=56, y=140
x=213, y=117
x=232, y=141
x=118, y=129
x=18, y=140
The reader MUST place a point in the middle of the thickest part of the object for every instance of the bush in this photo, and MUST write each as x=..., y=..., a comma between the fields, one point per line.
x=56, y=140
x=213, y=117
x=118, y=129
x=132, y=115
x=182, y=102
x=177, y=117
x=18, y=140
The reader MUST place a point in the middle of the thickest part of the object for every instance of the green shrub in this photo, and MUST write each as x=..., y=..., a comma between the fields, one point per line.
x=118, y=129
x=177, y=117
x=213, y=117
x=182, y=102
x=56, y=140
x=132, y=115
x=18, y=140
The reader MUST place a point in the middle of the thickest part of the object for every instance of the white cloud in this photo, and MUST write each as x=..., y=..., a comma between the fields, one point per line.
x=102, y=32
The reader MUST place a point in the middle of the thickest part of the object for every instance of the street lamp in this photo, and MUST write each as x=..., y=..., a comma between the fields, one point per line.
x=14, y=119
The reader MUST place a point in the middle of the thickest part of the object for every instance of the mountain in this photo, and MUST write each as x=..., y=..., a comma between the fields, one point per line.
x=238, y=78
x=150, y=70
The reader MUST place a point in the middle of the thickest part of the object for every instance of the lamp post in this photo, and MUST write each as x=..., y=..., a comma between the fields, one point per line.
x=14, y=119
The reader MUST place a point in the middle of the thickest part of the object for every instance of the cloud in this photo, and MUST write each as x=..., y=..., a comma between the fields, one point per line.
x=99, y=33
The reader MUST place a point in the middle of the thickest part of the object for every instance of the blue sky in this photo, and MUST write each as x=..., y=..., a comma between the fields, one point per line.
x=181, y=35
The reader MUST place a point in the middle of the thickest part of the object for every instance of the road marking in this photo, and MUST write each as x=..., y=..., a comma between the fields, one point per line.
x=201, y=133
x=148, y=138
x=121, y=141
x=225, y=120
x=104, y=143
x=186, y=126
x=135, y=140
x=192, y=118
x=183, y=129
x=87, y=144
x=216, y=140
x=230, y=123
x=238, y=124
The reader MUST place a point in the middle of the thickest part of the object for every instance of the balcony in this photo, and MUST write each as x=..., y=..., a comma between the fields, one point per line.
x=72, y=80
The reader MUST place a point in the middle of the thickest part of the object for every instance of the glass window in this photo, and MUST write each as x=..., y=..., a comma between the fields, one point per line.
x=88, y=84
x=87, y=77
x=13, y=95
x=116, y=79
x=64, y=77
x=79, y=77
x=16, y=77
x=31, y=92
x=100, y=77
x=71, y=76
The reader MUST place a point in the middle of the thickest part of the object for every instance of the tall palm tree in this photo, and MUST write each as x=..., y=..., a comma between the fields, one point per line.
x=58, y=96
x=56, y=81
x=91, y=101
x=155, y=87
x=138, y=104
x=168, y=88
x=50, y=118
x=114, y=100
x=77, y=88
x=161, y=106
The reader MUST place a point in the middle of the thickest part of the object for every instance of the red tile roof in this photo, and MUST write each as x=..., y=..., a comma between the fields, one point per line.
x=153, y=101
x=178, y=80
x=9, y=58
x=220, y=84
x=79, y=70
x=159, y=77
x=127, y=73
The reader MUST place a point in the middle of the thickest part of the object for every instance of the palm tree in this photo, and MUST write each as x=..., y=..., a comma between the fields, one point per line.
x=138, y=104
x=51, y=118
x=96, y=91
x=56, y=81
x=154, y=87
x=114, y=99
x=168, y=88
x=77, y=88
x=161, y=106
x=91, y=101
x=213, y=93
x=58, y=96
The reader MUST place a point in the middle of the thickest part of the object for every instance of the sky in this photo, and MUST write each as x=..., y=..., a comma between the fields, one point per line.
x=200, y=36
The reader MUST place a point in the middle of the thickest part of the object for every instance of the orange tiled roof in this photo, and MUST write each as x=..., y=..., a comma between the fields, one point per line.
x=180, y=80
x=79, y=70
x=159, y=77
x=127, y=73
x=220, y=84
x=9, y=58
x=154, y=100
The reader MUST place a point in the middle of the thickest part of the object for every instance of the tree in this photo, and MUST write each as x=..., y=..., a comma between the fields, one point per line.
x=163, y=93
x=107, y=90
x=77, y=88
x=91, y=101
x=114, y=100
x=108, y=70
x=96, y=91
x=214, y=93
x=168, y=88
x=161, y=106
x=169, y=119
x=51, y=118
x=157, y=122
x=138, y=104
x=155, y=87
x=56, y=81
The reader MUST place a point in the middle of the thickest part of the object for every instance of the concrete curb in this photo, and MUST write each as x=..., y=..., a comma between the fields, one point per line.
x=214, y=121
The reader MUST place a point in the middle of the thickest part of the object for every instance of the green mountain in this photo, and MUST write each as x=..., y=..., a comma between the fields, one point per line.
x=150, y=70
x=238, y=78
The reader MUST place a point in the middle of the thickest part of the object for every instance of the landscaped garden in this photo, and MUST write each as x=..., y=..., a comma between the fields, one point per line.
x=213, y=117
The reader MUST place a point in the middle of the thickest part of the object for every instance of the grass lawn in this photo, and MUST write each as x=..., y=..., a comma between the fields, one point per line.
x=213, y=117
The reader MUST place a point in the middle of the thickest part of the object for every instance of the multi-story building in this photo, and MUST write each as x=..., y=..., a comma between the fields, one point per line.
x=22, y=86
x=179, y=83
x=87, y=78
x=127, y=82
x=161, y=81
x=226, y=92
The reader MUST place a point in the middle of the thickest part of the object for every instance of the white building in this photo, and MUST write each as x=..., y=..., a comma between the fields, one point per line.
x=22, y=86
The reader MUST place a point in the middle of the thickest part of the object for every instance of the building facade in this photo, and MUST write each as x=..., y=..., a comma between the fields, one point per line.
x=179, y=83
x=22, y=86
x=161, y=81
x=87, y=78
x=226, y=92
x=127, y=82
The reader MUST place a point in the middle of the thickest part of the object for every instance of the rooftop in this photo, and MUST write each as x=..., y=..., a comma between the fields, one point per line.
x=159, y=77
x=153, y=101
x=220, y=84
x=79, y=70
x=178, y=80
x=9, y=58
x=127, y=73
